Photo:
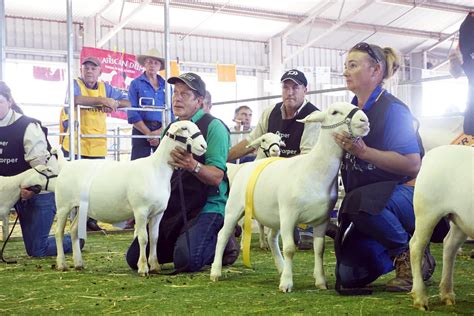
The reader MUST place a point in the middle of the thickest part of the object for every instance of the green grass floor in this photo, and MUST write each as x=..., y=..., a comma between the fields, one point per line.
x=108, y=286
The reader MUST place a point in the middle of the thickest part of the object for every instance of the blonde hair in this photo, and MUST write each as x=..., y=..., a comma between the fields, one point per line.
x=387, y=57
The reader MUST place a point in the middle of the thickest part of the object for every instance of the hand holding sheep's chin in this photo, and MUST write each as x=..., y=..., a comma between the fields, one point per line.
x=182, y=159
x=355, y=146
x=26, y=194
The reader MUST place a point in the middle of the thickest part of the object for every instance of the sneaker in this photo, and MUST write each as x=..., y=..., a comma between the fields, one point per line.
x=92, y=225
x=231, y=251
x=306, y=242
x=403, y=280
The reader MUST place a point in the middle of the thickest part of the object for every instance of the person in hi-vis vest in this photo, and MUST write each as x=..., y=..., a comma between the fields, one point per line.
x=90, y=91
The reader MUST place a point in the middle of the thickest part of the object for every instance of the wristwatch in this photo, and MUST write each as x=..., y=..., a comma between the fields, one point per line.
x=197, y=167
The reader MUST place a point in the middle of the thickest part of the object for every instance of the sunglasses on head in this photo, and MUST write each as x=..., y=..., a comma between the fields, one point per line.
x=366, y=48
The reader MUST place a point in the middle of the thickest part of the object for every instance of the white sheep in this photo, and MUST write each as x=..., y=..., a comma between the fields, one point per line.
x=444, y=187
x=37, y=177
x=292, y=191
x=267, y=145
x=120, y=190
x=10, y=187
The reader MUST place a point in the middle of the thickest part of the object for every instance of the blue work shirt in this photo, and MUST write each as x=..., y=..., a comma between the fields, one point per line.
x=400, y=136
x=141, y=87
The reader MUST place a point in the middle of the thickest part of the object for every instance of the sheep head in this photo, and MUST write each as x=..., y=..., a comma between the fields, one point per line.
x=341, y=117
x=186, y=134
x=38, y=178
x=270, y=143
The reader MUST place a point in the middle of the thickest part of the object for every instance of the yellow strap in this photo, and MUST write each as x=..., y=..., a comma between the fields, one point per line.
x=249, y=207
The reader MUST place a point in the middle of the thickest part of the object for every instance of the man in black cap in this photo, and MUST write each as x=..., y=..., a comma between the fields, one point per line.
x=191, y=245
x=282, y=120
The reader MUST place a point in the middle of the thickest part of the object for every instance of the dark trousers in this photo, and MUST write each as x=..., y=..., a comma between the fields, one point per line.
x=36, y=218
x=141, y=148
x=202, y=232
x=368, y=251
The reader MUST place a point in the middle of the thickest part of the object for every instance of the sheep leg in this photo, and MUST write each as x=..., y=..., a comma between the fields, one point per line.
x=319, y=232
x=424, y=226
x=261, y=237
x=142, y=235
x=76, y=248
x=62, y=215
x=289, y=249
x=272, y=239
x=451, y=244
x=230, y=220
x=154, y=230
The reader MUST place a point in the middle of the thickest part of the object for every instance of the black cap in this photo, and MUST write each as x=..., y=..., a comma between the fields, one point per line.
x=296, y=76
x=192, y=80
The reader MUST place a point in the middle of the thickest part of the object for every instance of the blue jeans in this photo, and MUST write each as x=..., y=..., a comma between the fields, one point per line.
x=36, y=218
x=186, y=257
x=368, y=251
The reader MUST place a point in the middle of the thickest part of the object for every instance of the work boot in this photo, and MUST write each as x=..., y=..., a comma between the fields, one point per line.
x=428, y=265
x=231, y=251
x=403, y=280
x=92, y=225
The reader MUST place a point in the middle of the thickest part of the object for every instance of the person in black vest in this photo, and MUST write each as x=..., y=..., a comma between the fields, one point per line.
x=23, y=145
x=376, y=216
x=191, y=246
x=282, y=120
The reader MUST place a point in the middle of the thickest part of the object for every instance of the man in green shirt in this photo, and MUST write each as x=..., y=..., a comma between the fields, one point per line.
x=191, y=245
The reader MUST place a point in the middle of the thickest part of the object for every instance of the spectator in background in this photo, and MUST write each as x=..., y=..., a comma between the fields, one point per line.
x=147, y=90
x=90, y=91
x=466, y=45
x=242, y=119
x=207, y=103
x=24, y=145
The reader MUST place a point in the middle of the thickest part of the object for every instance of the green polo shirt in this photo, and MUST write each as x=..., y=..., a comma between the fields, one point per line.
x=218, y=144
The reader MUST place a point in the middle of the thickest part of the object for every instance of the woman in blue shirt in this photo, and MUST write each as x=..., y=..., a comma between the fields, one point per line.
x=147, y=90
x=377, y=217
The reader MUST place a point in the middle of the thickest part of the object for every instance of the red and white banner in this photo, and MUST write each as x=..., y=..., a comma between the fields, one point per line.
x=118, y=69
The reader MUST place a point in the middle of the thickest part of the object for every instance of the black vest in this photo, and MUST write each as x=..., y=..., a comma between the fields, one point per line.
x=290, y=130
x=12, y=151
x=357, y=173
x=195, y=192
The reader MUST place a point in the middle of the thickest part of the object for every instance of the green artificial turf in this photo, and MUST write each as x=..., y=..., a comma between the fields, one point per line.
x=108, y=286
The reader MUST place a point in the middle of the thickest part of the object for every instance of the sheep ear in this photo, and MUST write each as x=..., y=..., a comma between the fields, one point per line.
x=255, y=143
x=282, y=143
x=316, y=116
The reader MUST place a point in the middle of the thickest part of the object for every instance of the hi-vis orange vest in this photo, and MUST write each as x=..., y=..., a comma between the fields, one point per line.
x=92, y=122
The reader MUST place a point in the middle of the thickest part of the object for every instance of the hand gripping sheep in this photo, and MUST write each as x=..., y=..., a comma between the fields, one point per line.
x=120, y=190
x=444, y=187
x=293, y=191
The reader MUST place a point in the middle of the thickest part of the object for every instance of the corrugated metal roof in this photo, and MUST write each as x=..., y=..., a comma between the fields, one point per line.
x=406, y=25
